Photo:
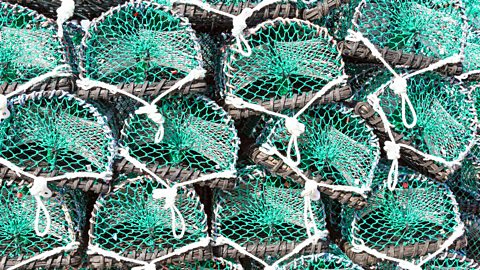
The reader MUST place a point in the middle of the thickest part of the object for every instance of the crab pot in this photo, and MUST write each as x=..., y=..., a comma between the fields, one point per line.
x=53, y=133
x=143, y=48
x=291, y=61
x=199, y=139
x=337, y=148
x=411, y=221
x=19, y=243
x=446, y=119
x=436, y=32
x=264, y=215
x=133, y=224
x=29, y=47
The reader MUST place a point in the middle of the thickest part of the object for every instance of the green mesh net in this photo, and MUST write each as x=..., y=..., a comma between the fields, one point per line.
x=472, y=225
x=209, y=45
x=465, y=184
x=320, y=261
x=28, y=44
x=472, y=10
x=265, y=215
x=336, y=146
x=451, y=260
x=437, y=29
x=130, y=222
x=472, y=51
x=418, y=215
x=446, y=124
x=289, y=57
x=199, y=135
x=56, y=133
x=138, y=42
x=18, y=240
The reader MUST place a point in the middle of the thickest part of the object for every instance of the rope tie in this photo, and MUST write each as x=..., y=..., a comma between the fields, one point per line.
x=310, y=193
x=399, y=87
x=152, y=112
x=40, y=189
x=4, y=112
x=296, y=129
x=170, y=194
x=393, y=153
x=64, y=12
x=239, y=26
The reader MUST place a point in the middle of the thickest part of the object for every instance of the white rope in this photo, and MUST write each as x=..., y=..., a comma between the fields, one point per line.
x=152, y=112
x=40, y=189
x=47, y=254
x=96, y=249
x=309, y=194
x=464, y=76
x=64, y=12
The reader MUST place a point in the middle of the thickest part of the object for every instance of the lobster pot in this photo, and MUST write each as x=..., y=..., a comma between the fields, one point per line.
x=291, y=61
x=142, y=47
x=129, y=222
x=411, y=221
x=472, y=226
x=29, y=47
x=437, y=31
x=264, y=215
x=53, y=133
x=199, y=139
x=446, y=119
x=337, y=148
x=320, y=261
x=21, y=247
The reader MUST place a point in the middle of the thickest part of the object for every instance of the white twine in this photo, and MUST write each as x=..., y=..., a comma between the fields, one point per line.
x=194, y=74
x=464, y=76
x=47, y=254
x=169, y=193
x=310, y=193
x=64, y=12
x=96, y=249
x=38, y=190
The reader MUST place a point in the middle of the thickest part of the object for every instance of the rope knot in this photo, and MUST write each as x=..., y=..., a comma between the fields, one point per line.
x=294, y=127
x=196, y=74
x=311, y=190
x=40, y=188
x=399, y=86
x=169, y=194
x=152, y=112
x=4, y=112
x=240, y=22
x=392, y=149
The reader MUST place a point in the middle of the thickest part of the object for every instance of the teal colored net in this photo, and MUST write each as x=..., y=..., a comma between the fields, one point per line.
x=28, y=44
x=472, y=225
x=320, y=261
x=472, y=10
x=138, y=42
x=130, y=222
x=465, y=184
x=213, y=264
x=18, y=240
x=451, y=260
x=472, y=51
x=437, y=28
x=337, y=146
x=446, y=119
x=54, y=133
x=418, y=216
x=198, y=136
x=265, y=216
x=289, y=57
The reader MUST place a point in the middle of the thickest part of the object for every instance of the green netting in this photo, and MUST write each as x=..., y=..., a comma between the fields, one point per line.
x=452, y=261
x=28, y=44
x=289, y=57
x=130, y=222
x=465, y=183
x=209, y=46
x=472, y=51
x=264, y=210
x=418, y=212
x=472, y=225
x=18, y=240
x=320, y=261
x=446, y=117
x=336, y=145
x=472, y=10
x=56, y=133
x=199, y=135
x=436, y=29
x=138, y=42
x=213, y=264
